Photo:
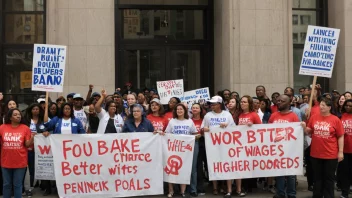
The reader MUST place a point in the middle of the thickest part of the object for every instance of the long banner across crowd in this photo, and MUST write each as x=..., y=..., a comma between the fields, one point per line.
x=133, y=164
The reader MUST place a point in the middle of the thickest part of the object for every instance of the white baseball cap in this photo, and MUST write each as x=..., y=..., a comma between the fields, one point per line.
x=215, y=99
x=41, y=100
x=77, y=96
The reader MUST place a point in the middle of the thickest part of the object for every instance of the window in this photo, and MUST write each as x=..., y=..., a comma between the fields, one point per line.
x=304, y=13
x=23, y=24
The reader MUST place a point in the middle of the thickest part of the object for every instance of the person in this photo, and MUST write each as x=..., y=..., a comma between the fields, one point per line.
x=335, y=93
x=119, y=102
x=131, y=100
x=156, y=115
x=53, y=110
x=218, y=117
x=260, y=92
x=235, y=95
x=10, y=104
x=65, y=123
x=138, y=122
x=197, y=118
x=93, y=120
x=346, y=164
x=256, y=106
x=182, y=125
x=78, y=110
x=340, y=103
x=284, y=115
x=109, y=120
x=290, y=92
x=142, y=100
x=273, y=100
x=15, y=139
x=234, y=108
x=248, y=116
x=171, y=105
x=348, y=95
x=70, y=98
x=301, y=91
x=265, y=108
x=60, y=100
x=326, y=148
x=41, y=102
x=226, y=96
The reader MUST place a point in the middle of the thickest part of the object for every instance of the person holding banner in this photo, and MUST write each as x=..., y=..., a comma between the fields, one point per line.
x=156, y=115
x=182, y=125
x=15, y=139
x=326, y=148
x=284, y=115
x=346, y=164
x=171, y=106
x=138, y=122
x=248, y=116
x=109, y=120
x=65, y=123
x=218, y=117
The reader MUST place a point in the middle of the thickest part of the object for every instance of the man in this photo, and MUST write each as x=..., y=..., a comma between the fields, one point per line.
x=256, y=105
x=274, y=97
x=69, y=98
x=261, y=92
x=212, y=119
x=289, y=91
x=96, y=96
x=79, y=111
x=301, y=91
x=335, y=93
x=285, y=115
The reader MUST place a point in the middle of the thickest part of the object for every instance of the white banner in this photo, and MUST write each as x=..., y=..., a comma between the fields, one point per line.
x=196, y=96
x=169, y=89
x=263, y=150
x=108, y=165
x=44, y=163
x=48, y=67
x=178, y=158
x=319, y=51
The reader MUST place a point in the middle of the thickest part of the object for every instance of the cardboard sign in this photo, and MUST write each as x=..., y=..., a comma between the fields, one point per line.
x=48, y=68
x=109, y=165
x=178, y=158
x=169, y=89
x=319, y=51
x=44, y=162
x=263, y=150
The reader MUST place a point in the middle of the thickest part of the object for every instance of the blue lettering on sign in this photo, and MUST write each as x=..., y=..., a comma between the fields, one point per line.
x=46, y=80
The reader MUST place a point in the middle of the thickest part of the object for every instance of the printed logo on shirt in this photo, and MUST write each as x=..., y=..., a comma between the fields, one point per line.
x=181, y=130
x=158, y=126
x=347, y=125
x=117, y=124
x=322, y=130
x=216, y=121
x=65, y=124
x=281, y=121
x=12, y=141
x=243, y=121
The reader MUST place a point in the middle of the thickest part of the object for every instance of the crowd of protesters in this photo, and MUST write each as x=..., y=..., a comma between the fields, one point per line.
x=327, y=126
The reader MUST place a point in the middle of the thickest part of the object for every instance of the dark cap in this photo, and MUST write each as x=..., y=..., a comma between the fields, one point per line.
x=95, y=94
x=70, y=95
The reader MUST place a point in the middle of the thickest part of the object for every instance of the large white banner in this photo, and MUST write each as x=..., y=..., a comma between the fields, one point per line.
x=169, y=89
x=44, y=162
x=263, y=150
x=48, y=67
x=108, y=165
x=319, y=51
x=178, y=158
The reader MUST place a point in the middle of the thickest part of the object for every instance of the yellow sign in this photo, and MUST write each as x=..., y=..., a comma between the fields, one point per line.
x=26, y=79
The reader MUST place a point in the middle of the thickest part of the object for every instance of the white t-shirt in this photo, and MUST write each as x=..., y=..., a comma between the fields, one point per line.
x=33, y=127
x=181, y=127
x=104, y=119
x=81, y=115
x=212, y=119
x=66, y=126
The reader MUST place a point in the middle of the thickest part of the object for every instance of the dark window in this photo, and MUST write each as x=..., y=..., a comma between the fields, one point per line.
x=304, y=13
x=22, y=25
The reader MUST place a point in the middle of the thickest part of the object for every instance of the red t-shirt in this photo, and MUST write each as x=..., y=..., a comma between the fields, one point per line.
x=315, y=109
x=278, y=117
x=346, y=120
x=198, y=124
x=168, y=116
x=325, y=130
x=273, y=108
x=159, y=122
x=246, y=118
x=14, y=153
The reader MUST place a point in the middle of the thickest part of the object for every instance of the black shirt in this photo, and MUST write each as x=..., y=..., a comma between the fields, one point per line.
x=110, y=127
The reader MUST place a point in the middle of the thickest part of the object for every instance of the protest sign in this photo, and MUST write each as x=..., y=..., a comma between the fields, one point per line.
x=48, y=68
x=107, y=165
x=319, y=51
x=196, y=96
x=169, y=89
x=252, y=152
x=44, y=162
x=178, y=158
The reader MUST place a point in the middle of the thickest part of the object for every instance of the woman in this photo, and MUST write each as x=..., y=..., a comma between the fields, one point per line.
x=234, y=108
x=10, y=104
x=182, y=125
x=171, y=106
x=156, y=115
x=137, y=123
x=53, y=110
x=142, y=100
x=340, y=103
x=109, y=120
x=326, y=148
x=15, y=139
x=346, y=164
x=248, y=117
x=198, y=177
x=235, y=95
x=65, y=123
x=348, y=95
x=265, y=108
x=131, y=100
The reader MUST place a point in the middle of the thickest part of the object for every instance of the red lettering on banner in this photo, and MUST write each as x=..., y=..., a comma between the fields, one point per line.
x=77, y=149
x=65, y=149
x=233, y=166
x=264, y=150
x=93, y=169
x=121, y=145
x=135, y=145
x=232, y=152
x=45, y=149
x=132, y=184
x=127, y=157
x=282, y=163
x=226, y=137
x=102, y=149
x=251, y=136
x=86, y=187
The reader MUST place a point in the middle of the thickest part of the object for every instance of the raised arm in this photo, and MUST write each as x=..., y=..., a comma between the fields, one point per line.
x=100, y=101
x=89, y=94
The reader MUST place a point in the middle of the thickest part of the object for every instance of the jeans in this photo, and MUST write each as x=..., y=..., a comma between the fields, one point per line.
x=346, y=173
x=324, y=174
x=291, y=186
x=194, y=168
x=12, y=176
